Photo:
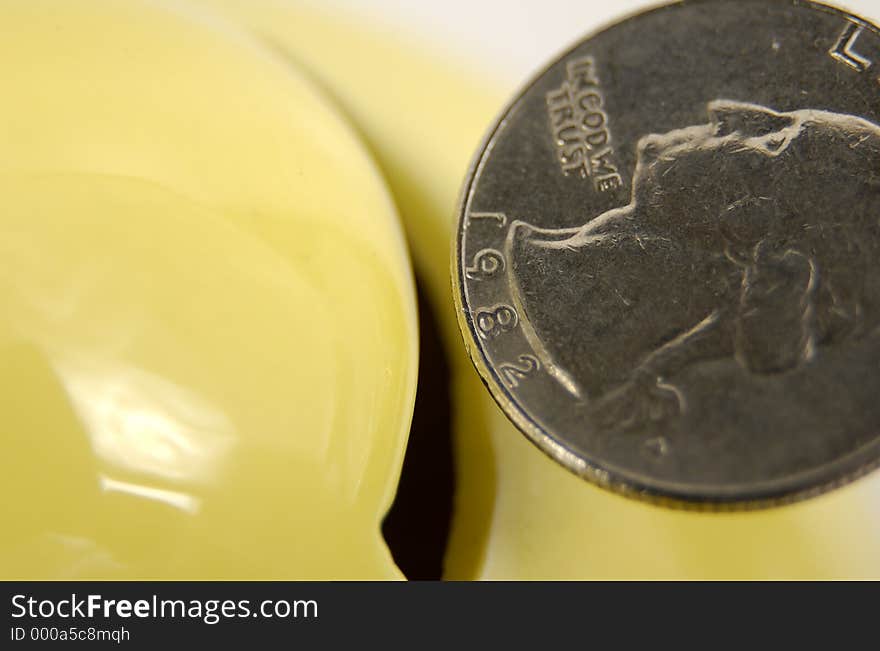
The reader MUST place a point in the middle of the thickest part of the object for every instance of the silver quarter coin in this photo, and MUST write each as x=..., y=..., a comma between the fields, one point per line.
x=667, y=263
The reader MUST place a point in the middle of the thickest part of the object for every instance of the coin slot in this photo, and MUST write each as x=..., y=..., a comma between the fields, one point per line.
x=416, y=528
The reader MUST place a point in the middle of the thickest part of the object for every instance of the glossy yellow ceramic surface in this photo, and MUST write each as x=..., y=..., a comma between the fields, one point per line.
x=518, y=514
x=207, y=324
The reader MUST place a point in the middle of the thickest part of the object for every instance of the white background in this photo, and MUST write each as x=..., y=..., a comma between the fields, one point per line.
x=512, y=39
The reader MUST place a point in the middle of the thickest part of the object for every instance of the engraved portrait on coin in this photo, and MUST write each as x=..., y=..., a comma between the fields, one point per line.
x=668, y=262
x=765, y=271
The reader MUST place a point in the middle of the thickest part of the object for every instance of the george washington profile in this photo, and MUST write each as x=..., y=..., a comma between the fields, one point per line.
x=754, y=237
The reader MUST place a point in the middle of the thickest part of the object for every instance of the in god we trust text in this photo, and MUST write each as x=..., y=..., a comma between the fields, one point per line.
x=580, y=127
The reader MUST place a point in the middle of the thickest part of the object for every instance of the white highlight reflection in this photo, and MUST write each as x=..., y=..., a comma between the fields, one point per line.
x=176, y=499
x=143, y=423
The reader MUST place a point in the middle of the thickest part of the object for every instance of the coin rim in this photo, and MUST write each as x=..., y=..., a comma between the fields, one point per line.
x=607, y=476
